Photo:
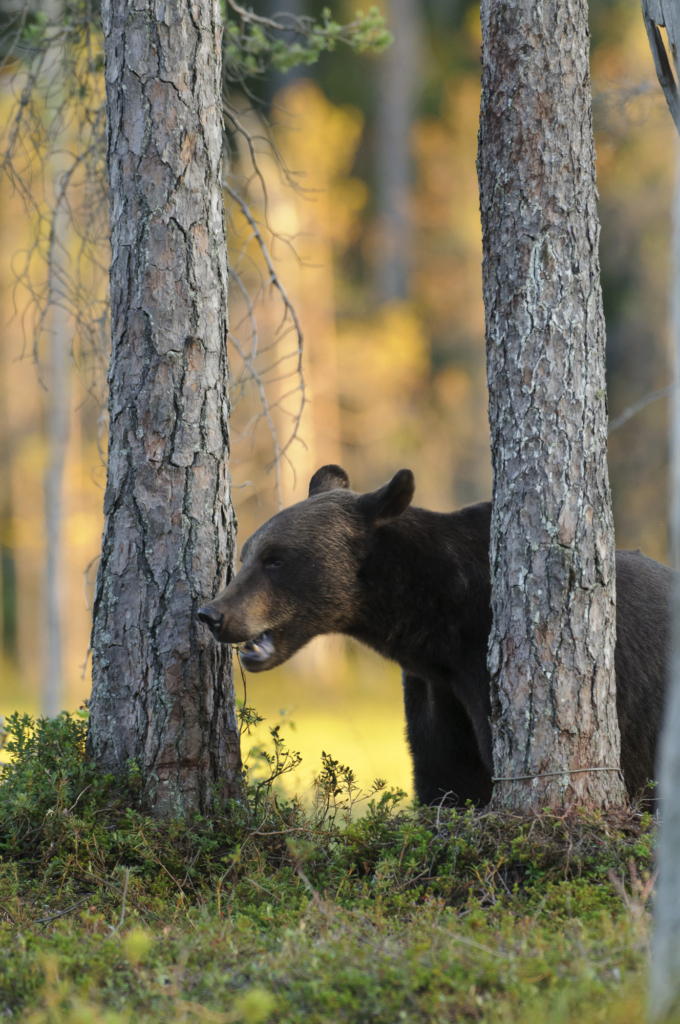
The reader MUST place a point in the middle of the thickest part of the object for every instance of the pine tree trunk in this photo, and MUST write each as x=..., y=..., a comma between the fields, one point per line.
x=551, y=650
x=162, y=689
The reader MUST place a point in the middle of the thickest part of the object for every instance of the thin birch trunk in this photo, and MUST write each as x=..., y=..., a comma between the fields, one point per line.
x=58, y=421
x=665, y=961
x=551, y=650
x=8, y=597
x=664, y=994
x=162, y=689
x=397, y=82
x=58, y=399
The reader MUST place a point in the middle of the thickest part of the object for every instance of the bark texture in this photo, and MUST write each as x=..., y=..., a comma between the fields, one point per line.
x=551, y=649
x=162, y=689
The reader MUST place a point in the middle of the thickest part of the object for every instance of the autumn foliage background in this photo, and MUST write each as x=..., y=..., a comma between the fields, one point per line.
x=388, y=383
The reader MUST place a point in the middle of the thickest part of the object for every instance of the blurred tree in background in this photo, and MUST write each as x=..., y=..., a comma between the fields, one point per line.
x=395, y=371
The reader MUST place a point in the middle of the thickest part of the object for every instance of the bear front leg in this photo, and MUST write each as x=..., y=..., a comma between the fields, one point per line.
x=446, y=759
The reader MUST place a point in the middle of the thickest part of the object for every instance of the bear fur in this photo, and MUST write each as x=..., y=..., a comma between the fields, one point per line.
x=414, y=585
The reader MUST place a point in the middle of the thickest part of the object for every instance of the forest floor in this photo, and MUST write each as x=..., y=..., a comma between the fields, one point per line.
x=318, y=914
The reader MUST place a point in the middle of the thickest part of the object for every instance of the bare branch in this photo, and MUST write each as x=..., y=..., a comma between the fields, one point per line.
x=57, y=79
x=628, y=413
x=289, y=312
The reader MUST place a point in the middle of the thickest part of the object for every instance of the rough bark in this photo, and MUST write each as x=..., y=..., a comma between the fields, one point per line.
x=551, y=650
x=162, y=689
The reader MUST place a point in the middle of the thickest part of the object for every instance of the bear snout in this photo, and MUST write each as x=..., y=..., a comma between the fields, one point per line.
x=211, y=617
x=231, y=621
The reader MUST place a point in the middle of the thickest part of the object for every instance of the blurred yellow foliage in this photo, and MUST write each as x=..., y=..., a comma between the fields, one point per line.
x=382, y=363
x=138, y=943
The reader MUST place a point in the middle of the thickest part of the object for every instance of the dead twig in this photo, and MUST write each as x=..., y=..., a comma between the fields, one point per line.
x=61, y=913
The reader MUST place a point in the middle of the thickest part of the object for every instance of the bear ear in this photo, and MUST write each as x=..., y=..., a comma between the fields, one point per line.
x=328, y=478
x=390, y=500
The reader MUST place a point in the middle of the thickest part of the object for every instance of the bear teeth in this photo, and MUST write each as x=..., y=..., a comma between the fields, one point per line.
x=259, y=648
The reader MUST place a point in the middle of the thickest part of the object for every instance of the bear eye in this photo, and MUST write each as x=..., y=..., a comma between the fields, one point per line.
x=273, y=563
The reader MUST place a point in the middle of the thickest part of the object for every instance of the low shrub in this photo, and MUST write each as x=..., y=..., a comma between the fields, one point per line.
x=303, y=913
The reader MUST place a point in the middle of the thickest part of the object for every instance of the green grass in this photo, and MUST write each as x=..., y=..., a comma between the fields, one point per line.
x=285, y=913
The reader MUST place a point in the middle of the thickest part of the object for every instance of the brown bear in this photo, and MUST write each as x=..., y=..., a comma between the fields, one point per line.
x=414, y=585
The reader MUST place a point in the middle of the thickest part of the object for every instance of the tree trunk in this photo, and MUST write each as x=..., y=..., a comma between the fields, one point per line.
x=551, y=650
x=58, y=399
x=58, y=422
x=8, y=576
x=398, y=71
x=664, y=989
x=665, y=960
x=162, y=689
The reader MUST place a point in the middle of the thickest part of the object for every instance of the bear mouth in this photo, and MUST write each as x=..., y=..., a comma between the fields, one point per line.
x=258, y=650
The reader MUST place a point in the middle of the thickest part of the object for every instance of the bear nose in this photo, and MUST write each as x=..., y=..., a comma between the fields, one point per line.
x=210, y=615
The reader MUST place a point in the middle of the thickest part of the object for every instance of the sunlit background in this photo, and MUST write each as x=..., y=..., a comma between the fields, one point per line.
x=372, y=224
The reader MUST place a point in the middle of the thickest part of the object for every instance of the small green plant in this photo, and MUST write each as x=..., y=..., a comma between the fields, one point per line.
x=265, y=767
x=48, y=777
x=338, y=792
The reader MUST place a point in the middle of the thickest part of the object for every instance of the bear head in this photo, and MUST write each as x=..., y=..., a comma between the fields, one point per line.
x=300, y=574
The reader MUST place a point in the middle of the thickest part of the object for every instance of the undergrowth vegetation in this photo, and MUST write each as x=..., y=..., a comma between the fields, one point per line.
x=277, y=911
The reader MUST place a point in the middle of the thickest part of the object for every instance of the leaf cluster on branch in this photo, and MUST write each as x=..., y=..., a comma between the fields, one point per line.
x=254, y=45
